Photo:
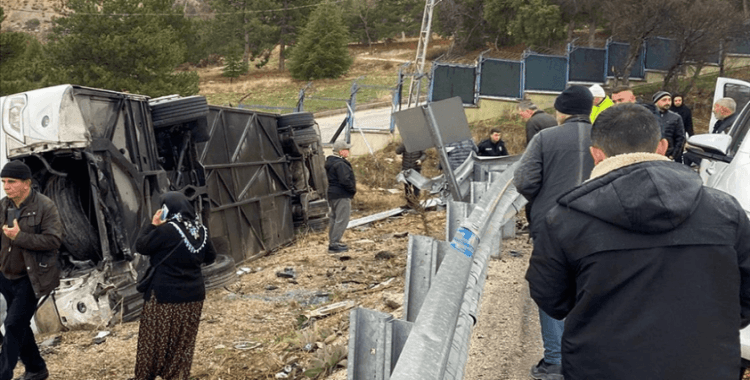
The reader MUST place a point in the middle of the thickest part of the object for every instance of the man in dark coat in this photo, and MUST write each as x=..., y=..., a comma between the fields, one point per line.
x=493, y=146
x=671, y=124
x=458, y=152
x=32, y=234
x=650, y=269
x=536, y=119
x=411, y=160
x=725, y=113
x=679, y=107
x=555, y=161
x=341, y=189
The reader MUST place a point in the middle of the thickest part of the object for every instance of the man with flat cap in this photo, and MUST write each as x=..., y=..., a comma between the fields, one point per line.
x=556, y=160
x=341, y=189
x=32, y=233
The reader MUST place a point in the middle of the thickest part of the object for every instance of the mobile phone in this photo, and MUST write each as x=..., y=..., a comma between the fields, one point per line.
x=164, y=212
x=12, y=215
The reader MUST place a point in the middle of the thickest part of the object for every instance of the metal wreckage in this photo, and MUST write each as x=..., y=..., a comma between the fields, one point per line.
x=105, y=157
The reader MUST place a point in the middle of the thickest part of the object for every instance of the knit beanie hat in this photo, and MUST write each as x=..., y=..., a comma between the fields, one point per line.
x=16, y=169
x=660, y=94
x=597, y=91
x=575, y=100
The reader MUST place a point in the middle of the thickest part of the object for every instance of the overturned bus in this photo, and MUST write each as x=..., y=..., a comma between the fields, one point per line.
x=105, y=157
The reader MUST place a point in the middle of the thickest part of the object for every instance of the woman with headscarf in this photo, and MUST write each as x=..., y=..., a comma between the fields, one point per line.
x=178, y=244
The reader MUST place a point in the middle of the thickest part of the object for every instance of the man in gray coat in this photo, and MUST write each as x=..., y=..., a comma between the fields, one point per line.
x=556, y=160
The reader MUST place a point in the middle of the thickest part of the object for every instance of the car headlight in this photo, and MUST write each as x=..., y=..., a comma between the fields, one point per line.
x=13, y=113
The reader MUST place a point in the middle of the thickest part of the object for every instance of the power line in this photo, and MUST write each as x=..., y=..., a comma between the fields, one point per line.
x=189, y=15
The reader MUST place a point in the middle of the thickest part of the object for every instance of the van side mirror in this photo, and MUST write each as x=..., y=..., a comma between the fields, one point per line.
x=712, y=146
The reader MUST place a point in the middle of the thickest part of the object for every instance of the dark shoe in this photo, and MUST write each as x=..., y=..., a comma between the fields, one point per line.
x=41, y=375
x=342, y=245
x=544, y=371
x=337, y=249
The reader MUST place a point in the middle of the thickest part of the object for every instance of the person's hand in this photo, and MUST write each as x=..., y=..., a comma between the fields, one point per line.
x=156, y=220
x=12, y=232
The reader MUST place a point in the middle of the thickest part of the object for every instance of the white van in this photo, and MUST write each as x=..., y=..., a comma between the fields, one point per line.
x=726, y=158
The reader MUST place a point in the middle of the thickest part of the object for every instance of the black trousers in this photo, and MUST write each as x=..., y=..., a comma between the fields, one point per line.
x=19, y=340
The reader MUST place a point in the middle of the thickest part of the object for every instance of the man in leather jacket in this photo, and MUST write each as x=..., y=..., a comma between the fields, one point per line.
x=32, y=233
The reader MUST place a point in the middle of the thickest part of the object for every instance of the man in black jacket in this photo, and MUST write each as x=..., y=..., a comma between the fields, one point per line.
x=650, y=269
x=32, y=233
x=493, y=146
x=555, y=161
x=671, y=124
x=341, y=189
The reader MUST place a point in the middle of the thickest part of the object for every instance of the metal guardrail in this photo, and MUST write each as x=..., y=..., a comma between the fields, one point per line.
x=444, y=283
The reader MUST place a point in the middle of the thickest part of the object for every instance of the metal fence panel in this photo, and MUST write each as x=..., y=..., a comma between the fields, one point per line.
x=587, y=65
x=452, y=80
x=661, y=53
x=500, y=78
x=739, y=47
x=545, y=72
x=617, y=56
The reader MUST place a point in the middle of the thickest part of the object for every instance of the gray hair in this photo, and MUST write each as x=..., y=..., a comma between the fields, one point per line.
x=729, y=103
x=526, y=104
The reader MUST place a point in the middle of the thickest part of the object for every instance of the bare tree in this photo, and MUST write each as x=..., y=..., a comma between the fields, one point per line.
x=698, y=27
x=634, y=21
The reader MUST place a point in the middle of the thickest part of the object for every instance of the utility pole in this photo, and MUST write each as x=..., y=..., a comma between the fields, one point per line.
x=424, y=40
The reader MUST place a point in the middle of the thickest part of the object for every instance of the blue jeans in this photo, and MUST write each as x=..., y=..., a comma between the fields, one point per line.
x=552, y=331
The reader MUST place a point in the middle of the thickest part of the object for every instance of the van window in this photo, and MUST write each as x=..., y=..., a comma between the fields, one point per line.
x=740, y=94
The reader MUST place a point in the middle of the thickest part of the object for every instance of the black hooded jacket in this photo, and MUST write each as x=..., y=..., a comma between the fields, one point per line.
x=651, y=271
x=687, y=117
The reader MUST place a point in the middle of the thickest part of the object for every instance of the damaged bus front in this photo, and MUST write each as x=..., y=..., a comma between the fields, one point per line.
x=104, y=158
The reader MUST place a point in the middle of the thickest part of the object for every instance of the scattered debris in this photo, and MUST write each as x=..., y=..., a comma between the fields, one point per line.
x=515, y=253
x=101, y=337
x=393, y=300
x=330, y=309
x=247, y=345
x=384, y=255
x=271, y=287
x=244, y=270
x=287, y=273
x=52, y=342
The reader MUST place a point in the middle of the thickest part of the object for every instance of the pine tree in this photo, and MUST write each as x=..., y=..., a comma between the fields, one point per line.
x=234, y=66
x=122, y=45
x=321, y=51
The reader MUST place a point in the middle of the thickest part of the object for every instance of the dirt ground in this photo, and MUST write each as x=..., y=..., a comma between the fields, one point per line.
x=262, y=323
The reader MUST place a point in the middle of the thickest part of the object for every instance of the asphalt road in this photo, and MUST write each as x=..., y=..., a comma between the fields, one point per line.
x=377, y=118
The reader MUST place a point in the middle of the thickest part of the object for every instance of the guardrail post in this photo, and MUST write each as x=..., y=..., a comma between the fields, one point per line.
x=424, y=256
x=369, y=345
